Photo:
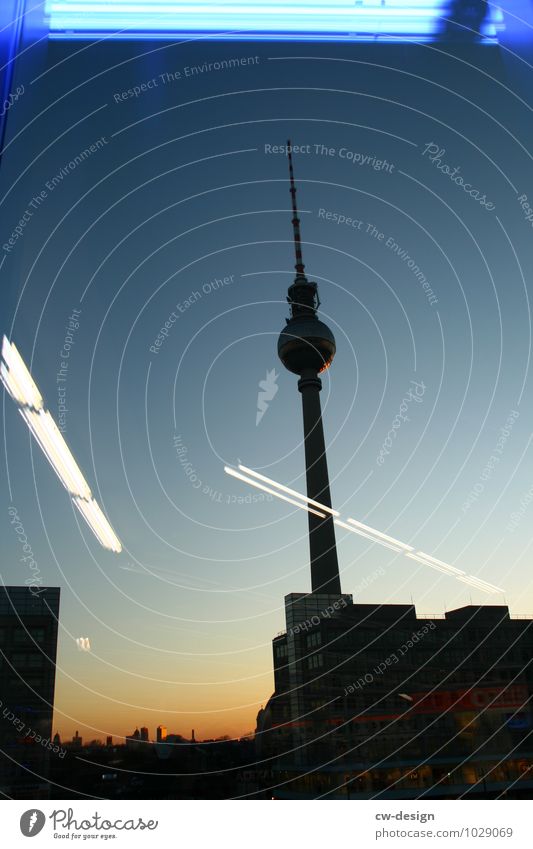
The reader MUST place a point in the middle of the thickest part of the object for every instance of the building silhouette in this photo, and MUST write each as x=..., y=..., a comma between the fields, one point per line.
x=77, y=741
x=28, y=647
x=377, y=699
x=138, y=739
x=161, y=733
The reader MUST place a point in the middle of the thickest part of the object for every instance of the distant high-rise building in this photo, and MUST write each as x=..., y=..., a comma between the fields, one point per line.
x=161, y=733
x=109, y=741
x=144, y=734
x=133, y=740
x=28, y=647
x=77, y=741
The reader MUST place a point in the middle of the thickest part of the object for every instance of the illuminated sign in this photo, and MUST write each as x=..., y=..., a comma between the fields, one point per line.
x=475, y=699
x=460, y=701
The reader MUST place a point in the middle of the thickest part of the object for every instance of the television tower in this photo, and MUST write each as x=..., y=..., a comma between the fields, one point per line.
x=306, y=347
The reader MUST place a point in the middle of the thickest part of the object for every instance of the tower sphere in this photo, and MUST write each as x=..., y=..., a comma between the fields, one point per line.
x=306, y=343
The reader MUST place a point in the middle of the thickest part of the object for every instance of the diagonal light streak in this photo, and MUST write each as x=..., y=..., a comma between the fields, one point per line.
x=482, y=585
x=440, y=563
x=382, y=535
x=98, y=523
x=17, y=379
x=286, y=489
x=365, y=531
x=22, y=388
x=428, y=563
x=56, y=451
x=367, y=536
x=235, y=474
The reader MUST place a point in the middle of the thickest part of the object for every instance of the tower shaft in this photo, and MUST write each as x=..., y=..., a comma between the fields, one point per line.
x=322, y=545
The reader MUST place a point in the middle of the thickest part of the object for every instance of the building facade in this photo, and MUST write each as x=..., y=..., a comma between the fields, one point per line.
x=28, y=647
x=374, y=700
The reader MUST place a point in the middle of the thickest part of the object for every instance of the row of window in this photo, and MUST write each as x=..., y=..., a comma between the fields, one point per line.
x=21, y=635
x=31, y=660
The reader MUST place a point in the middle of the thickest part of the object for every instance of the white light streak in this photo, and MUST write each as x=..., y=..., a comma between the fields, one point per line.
x=234, y=473
x=367, y=536
x=98, y=523
x=20, y=385
x=431, y=565
x=364, y=530
x=17, y=379
x=383, y=536
x=486, y=584
x=283, y=488
x=57, y=451
x=440, y=563
x=478, y=584
x=11, y=384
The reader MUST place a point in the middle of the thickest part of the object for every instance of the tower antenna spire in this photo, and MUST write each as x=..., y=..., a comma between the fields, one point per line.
x=300, y=267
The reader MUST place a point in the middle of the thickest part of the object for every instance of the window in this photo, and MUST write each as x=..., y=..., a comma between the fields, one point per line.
x=32, y=660
x=38, y=634
x=21, y=635
x=314, y=639
x=26, y=636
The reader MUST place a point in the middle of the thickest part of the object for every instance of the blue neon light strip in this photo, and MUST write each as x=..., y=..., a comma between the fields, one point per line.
x=344, y=20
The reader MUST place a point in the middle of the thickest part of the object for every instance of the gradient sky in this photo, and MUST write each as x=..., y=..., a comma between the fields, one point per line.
x=182, y=193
